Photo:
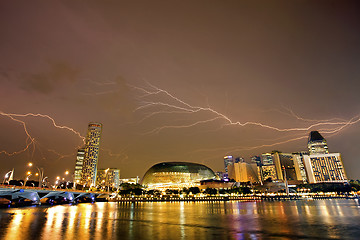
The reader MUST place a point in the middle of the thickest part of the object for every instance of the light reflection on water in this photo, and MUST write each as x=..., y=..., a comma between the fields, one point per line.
x=322, y=219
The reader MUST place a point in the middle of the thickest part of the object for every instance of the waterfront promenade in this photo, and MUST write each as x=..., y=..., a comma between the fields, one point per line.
x=300, y=219
x=15, y=196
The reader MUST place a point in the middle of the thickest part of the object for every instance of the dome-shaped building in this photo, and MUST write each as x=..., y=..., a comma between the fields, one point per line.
x=170, y=175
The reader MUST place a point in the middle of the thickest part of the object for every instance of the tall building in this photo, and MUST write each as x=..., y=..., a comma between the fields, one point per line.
x=316, y=143
x=300, y=166
x=108, y=178
x=91, y=155
x=244, y=172
x=285, y=166
x=324, y=168
x=239, y=159
x=268, y=172
x=228, y=160
x=267, y=159
x=256, y=160
x=79, y=165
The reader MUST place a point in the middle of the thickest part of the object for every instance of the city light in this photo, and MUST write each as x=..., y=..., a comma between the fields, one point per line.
x=180, y=120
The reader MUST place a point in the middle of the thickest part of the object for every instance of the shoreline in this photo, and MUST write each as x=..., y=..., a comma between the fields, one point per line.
x=230, y=198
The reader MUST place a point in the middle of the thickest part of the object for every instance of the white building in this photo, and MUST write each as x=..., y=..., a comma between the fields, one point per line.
x=324, y=168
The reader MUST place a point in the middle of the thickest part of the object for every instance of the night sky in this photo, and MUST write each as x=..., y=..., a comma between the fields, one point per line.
x=177, y=81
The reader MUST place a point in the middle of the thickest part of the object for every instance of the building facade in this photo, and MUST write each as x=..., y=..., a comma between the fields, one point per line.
x=133, y=180
x=324, y=168
x=108, y=178
x=268, y=172
x=300, y=166
x=79, y=165
x=267, y=159
x=91, y=155
x=176, y=175
x=244, y=172
x=228, y=160
x=286, y=168
x=256, y=160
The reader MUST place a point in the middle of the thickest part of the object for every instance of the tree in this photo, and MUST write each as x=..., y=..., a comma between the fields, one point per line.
x=222, y=191
x=211, y=191
x=194, y=190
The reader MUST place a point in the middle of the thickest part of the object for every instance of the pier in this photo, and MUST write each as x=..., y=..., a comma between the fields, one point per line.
x=36, y=196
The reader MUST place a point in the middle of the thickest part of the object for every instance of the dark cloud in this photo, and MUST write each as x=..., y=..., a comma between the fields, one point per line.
x=115, y=97
x=253, y=61
x=60, y=73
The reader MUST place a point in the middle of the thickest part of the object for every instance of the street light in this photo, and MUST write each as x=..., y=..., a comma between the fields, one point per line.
x=27, y=178
x=40, y=173
x=44, y=181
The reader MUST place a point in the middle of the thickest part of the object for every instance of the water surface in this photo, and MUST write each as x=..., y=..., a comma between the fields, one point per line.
x=320, y=219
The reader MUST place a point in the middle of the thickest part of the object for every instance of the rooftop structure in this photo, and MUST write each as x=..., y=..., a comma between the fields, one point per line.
x=317, y=143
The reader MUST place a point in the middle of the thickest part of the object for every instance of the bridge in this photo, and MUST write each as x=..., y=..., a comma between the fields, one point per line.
x=35, y=196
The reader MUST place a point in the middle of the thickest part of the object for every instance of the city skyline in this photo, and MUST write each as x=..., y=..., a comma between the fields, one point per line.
x=176, y=82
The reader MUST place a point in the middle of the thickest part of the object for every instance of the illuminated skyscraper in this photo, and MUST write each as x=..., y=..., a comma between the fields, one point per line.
x=324, y=168
x=108, y=178
x=91, y=155
x=257, y=160
x=285, y=165
x=79, y=165
x=228, y=160
x=316, y=143
x=299, y=165
x=267, y=159
x=268, y=172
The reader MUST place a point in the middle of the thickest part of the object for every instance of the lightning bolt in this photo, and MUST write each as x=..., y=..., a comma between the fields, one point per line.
x=43, y=116
x=174, y=105
x=186, y=107
x=157, y=130
x=111, y=154
x=291, y=113
x=30, y=141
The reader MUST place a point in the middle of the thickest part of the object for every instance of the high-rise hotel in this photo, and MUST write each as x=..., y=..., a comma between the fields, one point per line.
x=92, y=145
x=322, y=166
